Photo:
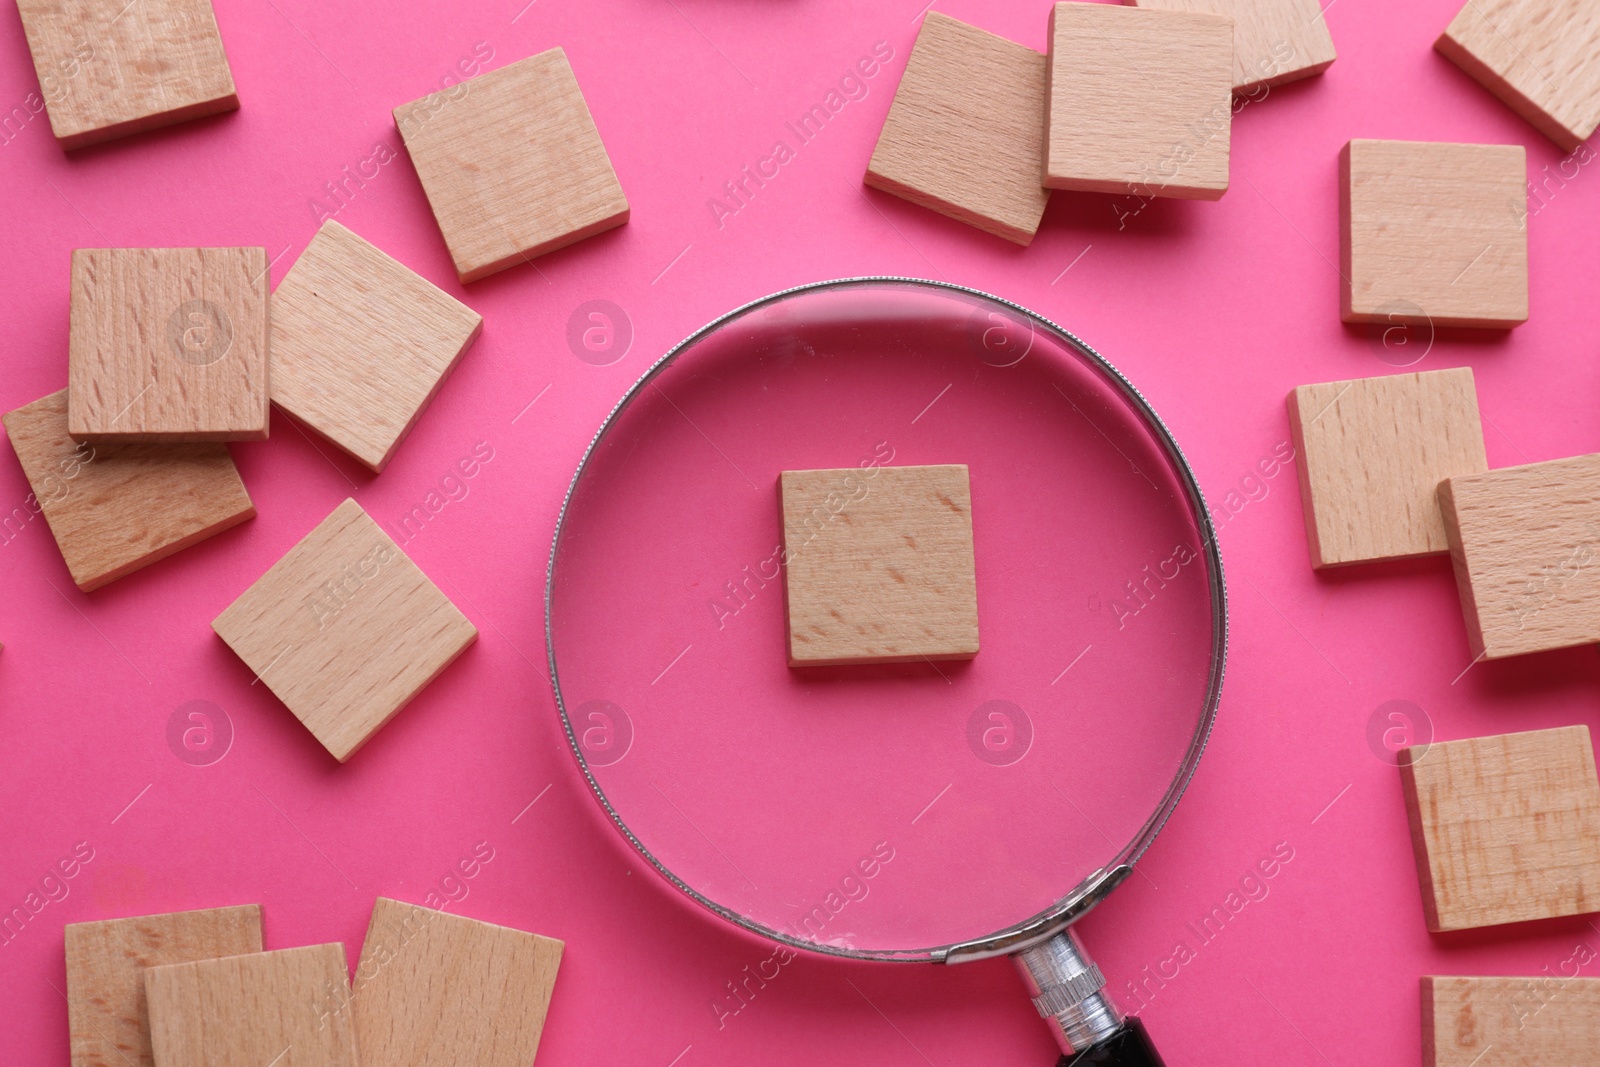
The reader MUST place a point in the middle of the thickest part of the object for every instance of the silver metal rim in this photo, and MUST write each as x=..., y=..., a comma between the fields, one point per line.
x=1091, y=890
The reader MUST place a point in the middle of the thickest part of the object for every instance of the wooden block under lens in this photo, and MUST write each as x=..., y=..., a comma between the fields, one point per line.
x=435, y=990
x=1504, y=828
x=345, y=629
x=110, y=69
x=1525, y=543
x=105, y=974
x=512, y=164
x=116, y=508
x=1371, y=455
x=289, y=1008
x=1434, y=233
x=965, y=134
x=1274, y=41
x=1537, y=56
x=360, y=343
x=1138, y=101
x=1543, y=1021
x=168, y=344
x=879, y=565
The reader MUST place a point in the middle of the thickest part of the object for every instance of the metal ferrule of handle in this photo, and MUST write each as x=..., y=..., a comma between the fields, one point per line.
x=1069, y=991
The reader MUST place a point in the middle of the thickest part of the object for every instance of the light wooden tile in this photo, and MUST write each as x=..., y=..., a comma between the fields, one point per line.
x=1138, y=101
x=512, y=164
x=1434, y=233
x=1537, y=56
x=1274, y=41
x=289, y=1008
x=1505, y=828
x=1371, y=455
x=879, y=565
x=436, y=990
x=110, y=69
x=345, y=629
x=1525, y=543
x=115, y=508
x=965, y=134
x=1543, y=1021
x=168, y=344
x=105, y=974
x=360, y=343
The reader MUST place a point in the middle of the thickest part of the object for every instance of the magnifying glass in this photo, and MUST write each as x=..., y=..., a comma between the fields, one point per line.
x=929, y=810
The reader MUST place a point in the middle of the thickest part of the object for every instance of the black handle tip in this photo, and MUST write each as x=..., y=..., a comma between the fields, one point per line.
x=1129, y=1047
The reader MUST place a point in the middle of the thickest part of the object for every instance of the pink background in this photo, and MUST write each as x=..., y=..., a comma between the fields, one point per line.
x=1214, y=310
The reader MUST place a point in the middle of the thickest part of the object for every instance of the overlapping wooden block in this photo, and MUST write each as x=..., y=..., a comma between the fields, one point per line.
x=1525, y=543
x=1544, y=1021
x=512, y=164
x=289, y=1008
x=1372, y=453
x=105, y=974
x=435, y=990
x=345, y=629
x=168, y=344
x=1274, y=41
x=360, y=343
x=1138, y=101
x=1537, y=56
x=879, y=565
x=115, y=508
x=1434, y=233
x=1504, y=828
x=965, y=134
x=111, y=69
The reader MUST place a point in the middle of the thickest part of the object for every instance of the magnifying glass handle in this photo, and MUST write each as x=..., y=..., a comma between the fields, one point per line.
x=1069, y=993
x=1128, y=1046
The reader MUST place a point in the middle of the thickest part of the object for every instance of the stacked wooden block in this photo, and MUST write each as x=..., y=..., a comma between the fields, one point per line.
x=196, y=989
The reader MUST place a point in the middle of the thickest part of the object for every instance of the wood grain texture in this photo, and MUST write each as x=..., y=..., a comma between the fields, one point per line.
x=360, y=343
x=109, y=69
x=1138, y=101
x=878, y=565
x=168, y=344
x=105, y=974
x=288, y=1008
x=1525, y=544
x=1537, y=56
x=1434, y=233
x=512, y=164
x=436, y=990
x=965, y=134
x=345, y=629
x=1274, y=41
x=1504, y=828
x=1543, y=1021
x=1371, y=455
x=116, y=508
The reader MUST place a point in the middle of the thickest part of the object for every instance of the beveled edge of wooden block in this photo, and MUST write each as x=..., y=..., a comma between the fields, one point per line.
x=1430, y=1054
x=1408, y=757
x=1303, y=476
x=70, y=140
x=1450, y=45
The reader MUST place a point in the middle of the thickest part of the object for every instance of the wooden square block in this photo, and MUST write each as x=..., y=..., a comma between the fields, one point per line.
x=288, y=1008
x=1372, y=453
x=512, y=164
x=360, y=343
x=115, y=508
x=1138, y=101
x=1545, y=1021
x=1525, y=544
x=110, y=69
x=168, y=344
x=436, y=990
x=1434, y=233
x=965, y=134
x=105, y=974
x=1537, y=56
x=1274, y=41
x=345, y=629
x=878, y=565
x=1505, y=828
